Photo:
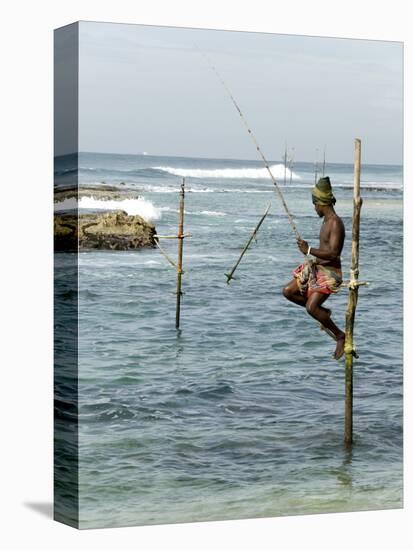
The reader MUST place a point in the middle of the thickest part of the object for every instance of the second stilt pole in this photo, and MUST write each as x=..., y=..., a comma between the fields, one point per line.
x=349, y=349
x=181, y=237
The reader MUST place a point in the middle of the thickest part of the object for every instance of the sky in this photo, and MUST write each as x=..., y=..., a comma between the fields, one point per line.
x=151, y=89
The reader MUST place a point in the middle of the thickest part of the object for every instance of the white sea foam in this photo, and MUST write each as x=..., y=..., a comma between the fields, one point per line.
x=211, y=213
x=194, y=212
x=134, y=207
x=191, y=189
x=277, y=171
x=158, y=188
x=67, y=204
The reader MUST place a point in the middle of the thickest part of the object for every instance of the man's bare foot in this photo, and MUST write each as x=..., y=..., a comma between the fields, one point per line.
x=339, y=347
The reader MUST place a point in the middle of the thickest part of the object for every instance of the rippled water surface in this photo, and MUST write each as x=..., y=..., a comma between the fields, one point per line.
x=240, y=413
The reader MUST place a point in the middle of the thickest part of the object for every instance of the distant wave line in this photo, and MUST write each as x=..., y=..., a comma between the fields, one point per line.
x=148, y=188
x=213, y=173
x=230, y=173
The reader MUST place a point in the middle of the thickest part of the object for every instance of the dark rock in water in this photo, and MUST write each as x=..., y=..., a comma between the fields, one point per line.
x=100, y=192
x=110, y=231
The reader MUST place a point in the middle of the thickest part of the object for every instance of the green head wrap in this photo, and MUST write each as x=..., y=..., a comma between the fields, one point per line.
x=322, y=192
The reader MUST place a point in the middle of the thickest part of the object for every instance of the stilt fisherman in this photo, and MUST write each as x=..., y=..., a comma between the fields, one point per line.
x=320, y=275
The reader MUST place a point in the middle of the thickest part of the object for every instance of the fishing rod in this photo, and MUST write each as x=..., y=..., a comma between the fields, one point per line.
x=290, y=218
x=229, y=275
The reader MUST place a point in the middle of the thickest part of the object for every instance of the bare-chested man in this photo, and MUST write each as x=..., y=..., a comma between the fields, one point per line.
x=320, y=275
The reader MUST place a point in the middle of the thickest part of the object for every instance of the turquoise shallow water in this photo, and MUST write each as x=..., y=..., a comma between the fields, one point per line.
x=240, y=413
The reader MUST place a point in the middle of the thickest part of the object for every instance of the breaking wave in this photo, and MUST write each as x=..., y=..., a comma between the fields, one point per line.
x=277, y=171
x=133, y=207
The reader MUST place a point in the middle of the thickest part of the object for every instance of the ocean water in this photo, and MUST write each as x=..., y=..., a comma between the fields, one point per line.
x=239, y=414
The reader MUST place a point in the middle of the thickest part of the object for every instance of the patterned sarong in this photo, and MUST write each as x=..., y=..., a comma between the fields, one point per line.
x=312, y=277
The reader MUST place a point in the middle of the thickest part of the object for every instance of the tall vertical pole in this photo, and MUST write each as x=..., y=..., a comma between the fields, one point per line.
x=352, y=300
x=180, y=254
x=316, y=167
x=285, y=164
x=324, y=161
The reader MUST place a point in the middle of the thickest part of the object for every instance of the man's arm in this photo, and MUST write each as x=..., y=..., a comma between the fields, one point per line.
x=330, y=251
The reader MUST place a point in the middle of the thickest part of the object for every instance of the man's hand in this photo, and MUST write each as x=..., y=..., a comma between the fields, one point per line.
x=302, y=246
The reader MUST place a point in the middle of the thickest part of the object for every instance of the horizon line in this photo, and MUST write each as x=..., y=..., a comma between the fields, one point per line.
x=144, y=154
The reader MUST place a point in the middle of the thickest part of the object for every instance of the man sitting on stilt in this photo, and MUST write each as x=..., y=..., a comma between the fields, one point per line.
x=320, y=275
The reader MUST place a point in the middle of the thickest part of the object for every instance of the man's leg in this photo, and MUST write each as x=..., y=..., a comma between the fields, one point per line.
x=292, y=293
x=323, y=316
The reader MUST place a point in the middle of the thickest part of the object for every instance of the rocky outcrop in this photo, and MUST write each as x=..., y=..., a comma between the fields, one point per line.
x=101, y=192
x=110, y=231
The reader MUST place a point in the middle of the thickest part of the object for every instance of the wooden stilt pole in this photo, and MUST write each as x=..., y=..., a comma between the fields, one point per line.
x=352, y=301
x=181, y=237
x=324, y=161
x=316, y=167
x=291, y=165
